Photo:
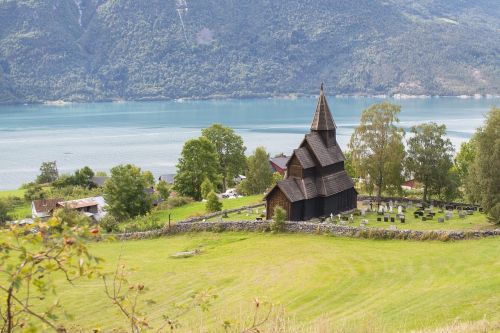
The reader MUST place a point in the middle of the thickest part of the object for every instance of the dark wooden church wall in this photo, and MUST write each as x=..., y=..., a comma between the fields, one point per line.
x=277, y=198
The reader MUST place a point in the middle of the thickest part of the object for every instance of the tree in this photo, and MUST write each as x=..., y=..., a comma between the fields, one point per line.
x=276, y=178
x=464, y=159
x=348, y=166
x=125, y=193
x=429, y=157
x=48, y=173
x=149, y=179
x=377, y=147
x=483, y=182
x=29, y=259
x=206, y=188
x=82, y=177
x=259, y=174
x=198, y=161
x=230, y=151
x=163, y=189
x=4, y=211
x=213, y=203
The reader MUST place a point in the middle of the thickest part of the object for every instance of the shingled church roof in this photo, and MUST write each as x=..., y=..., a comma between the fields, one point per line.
x=322, y=120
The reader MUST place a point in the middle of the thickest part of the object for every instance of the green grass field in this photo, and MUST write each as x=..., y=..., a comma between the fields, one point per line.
x=12, y=193
x=198, y=208
x=355, y=285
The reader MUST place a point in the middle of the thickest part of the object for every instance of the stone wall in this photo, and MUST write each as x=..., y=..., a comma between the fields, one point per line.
x=227, y=211
x=311, y=228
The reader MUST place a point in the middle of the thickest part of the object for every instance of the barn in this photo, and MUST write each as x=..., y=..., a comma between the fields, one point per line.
x=315, y=183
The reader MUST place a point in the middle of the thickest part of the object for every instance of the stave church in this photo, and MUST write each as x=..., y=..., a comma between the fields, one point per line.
x=315, y=183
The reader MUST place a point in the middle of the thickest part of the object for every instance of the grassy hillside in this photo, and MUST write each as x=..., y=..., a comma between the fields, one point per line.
x=90, y=50
x=358, y=285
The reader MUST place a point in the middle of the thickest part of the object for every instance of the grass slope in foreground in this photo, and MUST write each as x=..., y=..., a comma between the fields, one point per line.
x=361, y=285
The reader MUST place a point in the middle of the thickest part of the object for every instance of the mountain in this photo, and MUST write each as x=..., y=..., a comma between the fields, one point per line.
x=98, y=50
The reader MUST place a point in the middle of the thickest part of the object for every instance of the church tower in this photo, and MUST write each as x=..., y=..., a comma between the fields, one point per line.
x=323, y=123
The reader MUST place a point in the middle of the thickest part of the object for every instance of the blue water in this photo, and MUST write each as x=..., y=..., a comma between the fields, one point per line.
x=151, y=134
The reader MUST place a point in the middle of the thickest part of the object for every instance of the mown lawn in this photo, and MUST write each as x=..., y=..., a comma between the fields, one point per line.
x=353, y=284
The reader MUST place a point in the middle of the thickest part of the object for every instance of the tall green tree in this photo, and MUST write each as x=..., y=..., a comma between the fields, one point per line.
x=348, y=166
x=48, y=173
x=259, y=174
x=230, y=151
x=377, y=148
x=198, y=161
x=483, y=182
x=430, y=157
x=206, y=188
x=464, y=159
x=125, y=192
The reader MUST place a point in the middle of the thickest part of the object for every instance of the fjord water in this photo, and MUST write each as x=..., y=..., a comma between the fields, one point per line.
x=151, y=134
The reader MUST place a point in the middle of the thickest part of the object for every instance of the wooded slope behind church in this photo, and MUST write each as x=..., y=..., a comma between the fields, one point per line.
x=315, y=183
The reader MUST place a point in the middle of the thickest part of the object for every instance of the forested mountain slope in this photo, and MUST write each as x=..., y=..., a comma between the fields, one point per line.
x=91, y=50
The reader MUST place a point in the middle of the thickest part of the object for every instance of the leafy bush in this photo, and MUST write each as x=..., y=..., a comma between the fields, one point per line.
x=213, y=203
x=178, y=201
x=109, y=223
x=278, y=223
x=141, y=223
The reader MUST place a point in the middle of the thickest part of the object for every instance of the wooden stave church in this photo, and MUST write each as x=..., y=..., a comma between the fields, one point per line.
x=316, y=183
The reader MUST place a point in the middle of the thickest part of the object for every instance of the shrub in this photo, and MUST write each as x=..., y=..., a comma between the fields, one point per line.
x=278, y=223
x=109, y=223
x=213, y=203
x=178, y=201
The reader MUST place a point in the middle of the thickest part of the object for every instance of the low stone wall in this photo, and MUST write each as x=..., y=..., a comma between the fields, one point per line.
x=311, y=228
x=227, y=211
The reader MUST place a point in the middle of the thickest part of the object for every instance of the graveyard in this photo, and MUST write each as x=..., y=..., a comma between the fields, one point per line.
x=407, y=217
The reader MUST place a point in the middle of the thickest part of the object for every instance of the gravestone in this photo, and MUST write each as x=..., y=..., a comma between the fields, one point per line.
x=440, y=219
x=400, y=209
x=392, y=219
x=424, y=219
x=386, y=218
x=379, y=219
x=402, y=219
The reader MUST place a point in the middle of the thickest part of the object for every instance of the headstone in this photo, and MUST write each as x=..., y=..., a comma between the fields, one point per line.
x=363, y=212
x=386, y=218
x=392, y=219
x=424, y=219
x=400, y=209
x=390, y=209
x=440, y=219
x=379, y=219
x=351, y=218
x=402, y=219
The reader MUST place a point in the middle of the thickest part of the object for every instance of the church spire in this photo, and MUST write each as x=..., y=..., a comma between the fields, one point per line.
x=322, y=120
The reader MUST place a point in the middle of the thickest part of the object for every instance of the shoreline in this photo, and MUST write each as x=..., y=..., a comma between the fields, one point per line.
x=290, y=96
